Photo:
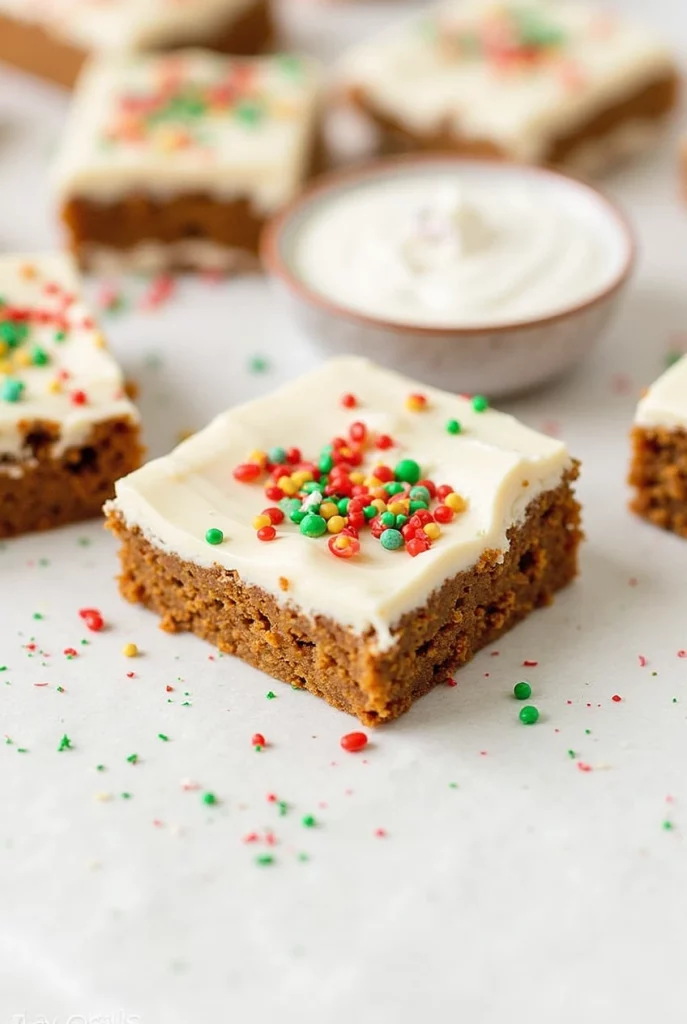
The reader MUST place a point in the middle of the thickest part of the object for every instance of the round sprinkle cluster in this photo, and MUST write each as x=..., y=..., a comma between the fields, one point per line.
x=507, y=38
x=346, y=491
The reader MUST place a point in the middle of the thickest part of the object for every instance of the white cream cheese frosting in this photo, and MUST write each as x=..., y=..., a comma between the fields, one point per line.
x=519, y=73
x=665, y=403
x=190, y=120
x=498, y=465
x=54, y=365
x=107, y=25
x=440, y=246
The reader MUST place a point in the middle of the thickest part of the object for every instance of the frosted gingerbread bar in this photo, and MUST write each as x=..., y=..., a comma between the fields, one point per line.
x=177, y=161
x=360, y=545
x=53, y=38
x=558, y=83
x=67, y=427
x=658, y=472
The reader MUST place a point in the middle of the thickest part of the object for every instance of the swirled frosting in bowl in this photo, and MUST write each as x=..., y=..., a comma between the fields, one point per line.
x=459, y=246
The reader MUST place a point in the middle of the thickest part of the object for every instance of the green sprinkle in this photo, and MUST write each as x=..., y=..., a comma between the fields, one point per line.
x=161, y=736
x=39, y=357
x=529, y=715
x=12, y=389
x=132, y=758
x=308, y=821
x=258, y=364
x=522, y=691
x=283, y=808
x=672, y=358
x=407, y=471
x=342, y=506
x=313, y=525
x=393, y=488
x=420, y=493
x=22, y=750
x=100, y=767
x=37, y=615
x=270, y=695
x=214, y=536
x=60, y=336
x=668, y=826
x=303, y=857
x=277, y=455
x=289, y=64
x=453, y=785
x=480, y=403
x=65, y=744
x=297, y=516
x=571, y=753
x=415, y=506
x=388, y=519
x=209, y=799
x=126, y=796
x=326, y=462
x=249, y=114
x=60, y=689
x=264, y=860
x=392, y=540
x=453, y=427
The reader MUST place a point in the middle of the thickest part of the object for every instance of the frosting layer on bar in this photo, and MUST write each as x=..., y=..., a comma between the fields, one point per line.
x=128, y=24
x=518, y=74
x=191, y=120
x=665, y=403
x=498, y=465
x=54, y=365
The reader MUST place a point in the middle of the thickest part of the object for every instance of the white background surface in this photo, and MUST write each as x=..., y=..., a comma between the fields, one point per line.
x=531, y=891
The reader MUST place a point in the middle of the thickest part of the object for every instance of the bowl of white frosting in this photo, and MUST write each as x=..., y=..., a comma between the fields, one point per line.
x=478, y=275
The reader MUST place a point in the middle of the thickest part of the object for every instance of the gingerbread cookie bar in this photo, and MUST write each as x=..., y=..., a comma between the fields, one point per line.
x=361, y=545
x=658, y=471
x=556, y=83
x=177, y=161
x=67, y=427
x=53, y=38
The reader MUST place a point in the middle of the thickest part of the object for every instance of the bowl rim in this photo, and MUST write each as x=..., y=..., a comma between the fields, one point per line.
x=274, y=262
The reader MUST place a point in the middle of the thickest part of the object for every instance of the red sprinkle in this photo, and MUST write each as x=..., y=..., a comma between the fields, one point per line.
x=616, y=697
x=353, y=741
x=642, y=660
x=276, y=515
x=92, y=618
x=349, y=401
x=583, y=767
x=79, y=398
x=247, y=472
x=384, y=442
x=70, y=652
x=258, y=740
x=682, y=654
x=452, y=682
x=266, y=533
x=530, y=664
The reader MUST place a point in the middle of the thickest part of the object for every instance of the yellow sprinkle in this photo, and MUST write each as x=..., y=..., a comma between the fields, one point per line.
x=103, y=797
x=343, y=541
x=415, y=403
x=22, y=358
x=433, y=530
x=287, y=485
x=54, y=387
x=3, y=348
x=379, y=504
x=357, y=477
x=258, y=456
x=456, y=502
x=372, y=481
x=379, y=492
x=399, y=508
x=99, y=341
x=130, y=650
x=5, y=366
x=261, y=521
x=336, y=524
x=301, y=476
x=28, y=271
x=328, y=509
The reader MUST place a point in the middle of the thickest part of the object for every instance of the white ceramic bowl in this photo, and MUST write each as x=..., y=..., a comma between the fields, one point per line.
x=494, y=360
